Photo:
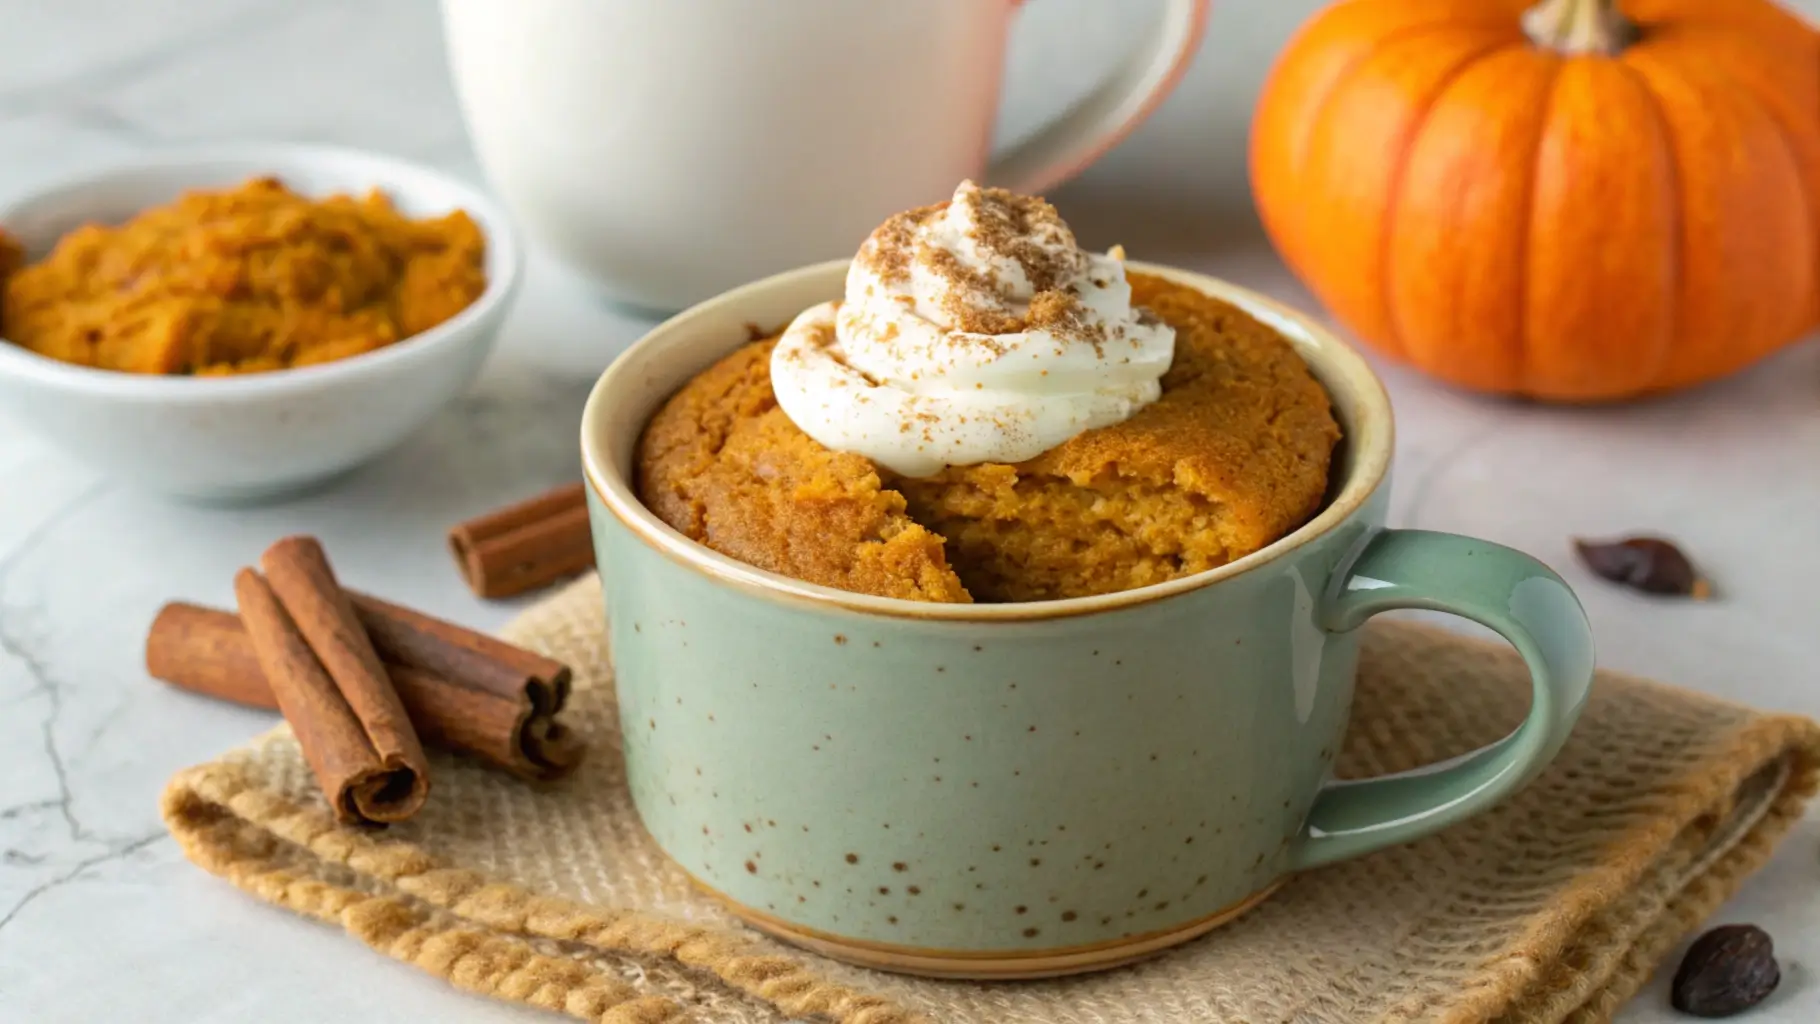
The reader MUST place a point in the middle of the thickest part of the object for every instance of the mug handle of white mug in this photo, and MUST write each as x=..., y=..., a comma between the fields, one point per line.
x=1514, y=594
x=1094, y=125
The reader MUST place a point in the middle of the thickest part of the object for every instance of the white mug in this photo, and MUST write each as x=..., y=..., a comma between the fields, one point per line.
x=672, y=149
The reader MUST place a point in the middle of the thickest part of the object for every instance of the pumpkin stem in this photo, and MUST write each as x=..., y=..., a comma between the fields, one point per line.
x=1574, y=27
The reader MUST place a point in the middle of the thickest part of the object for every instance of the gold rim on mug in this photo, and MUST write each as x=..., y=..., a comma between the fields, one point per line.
x=1019, y=965
x=1358, y=395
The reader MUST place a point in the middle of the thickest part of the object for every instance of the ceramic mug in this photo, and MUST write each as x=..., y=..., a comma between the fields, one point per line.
x=672, y=150
x=1017, y=790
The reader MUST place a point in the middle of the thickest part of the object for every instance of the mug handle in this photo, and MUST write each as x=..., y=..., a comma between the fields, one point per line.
x=1094, y=125
x=1510, y=592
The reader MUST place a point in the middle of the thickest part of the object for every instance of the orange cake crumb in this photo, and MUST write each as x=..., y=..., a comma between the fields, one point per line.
x=1233, y=456
x=723, y=464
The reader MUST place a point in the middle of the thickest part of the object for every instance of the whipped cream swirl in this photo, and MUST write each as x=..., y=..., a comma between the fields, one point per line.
x=975, y=330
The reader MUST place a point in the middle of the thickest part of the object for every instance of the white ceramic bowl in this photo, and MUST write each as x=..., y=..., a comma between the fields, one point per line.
x=258, y=435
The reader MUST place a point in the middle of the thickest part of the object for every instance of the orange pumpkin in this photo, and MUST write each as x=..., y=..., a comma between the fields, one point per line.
x=1574, y=200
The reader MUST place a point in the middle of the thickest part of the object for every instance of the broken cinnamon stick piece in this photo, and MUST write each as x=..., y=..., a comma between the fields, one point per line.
x=463, y=690
x=527, y=545
x=364, y=782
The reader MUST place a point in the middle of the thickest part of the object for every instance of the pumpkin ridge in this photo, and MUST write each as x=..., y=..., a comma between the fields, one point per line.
x=1335, y=249
x=1318, y=104
x=1678, y=208
x=1526, y=238
x=1394, y=206
x=1601, y=269
x=1810, y=203
x=1748, y=336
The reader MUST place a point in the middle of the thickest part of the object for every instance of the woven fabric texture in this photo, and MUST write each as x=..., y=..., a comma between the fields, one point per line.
x=1555, y=907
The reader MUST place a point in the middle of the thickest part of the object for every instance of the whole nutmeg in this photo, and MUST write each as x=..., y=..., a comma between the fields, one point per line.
x=1726, y=971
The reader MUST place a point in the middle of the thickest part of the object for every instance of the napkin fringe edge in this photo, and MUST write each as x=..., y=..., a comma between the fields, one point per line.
x=230, y=827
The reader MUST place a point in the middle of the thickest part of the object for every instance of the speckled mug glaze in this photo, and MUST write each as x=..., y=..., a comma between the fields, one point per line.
x=1018, y=790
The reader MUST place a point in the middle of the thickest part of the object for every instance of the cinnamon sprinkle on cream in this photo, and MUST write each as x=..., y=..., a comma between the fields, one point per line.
x=938, y=300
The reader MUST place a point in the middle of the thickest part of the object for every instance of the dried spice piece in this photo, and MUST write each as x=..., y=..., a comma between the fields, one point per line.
x=1726, y=971
x=527, y=545
x=1649, y=564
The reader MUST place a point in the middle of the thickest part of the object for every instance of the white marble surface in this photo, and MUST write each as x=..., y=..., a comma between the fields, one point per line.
x=100, y=918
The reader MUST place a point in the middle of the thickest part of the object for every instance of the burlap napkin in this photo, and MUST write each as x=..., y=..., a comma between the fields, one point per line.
x=1556, y=907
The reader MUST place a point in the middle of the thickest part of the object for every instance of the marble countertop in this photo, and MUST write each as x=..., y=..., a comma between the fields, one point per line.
x=101, y=918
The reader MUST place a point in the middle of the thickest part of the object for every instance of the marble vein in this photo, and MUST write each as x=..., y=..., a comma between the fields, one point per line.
x=102, y=119
x=14, y=643
x=19, y=810
x=75, y=872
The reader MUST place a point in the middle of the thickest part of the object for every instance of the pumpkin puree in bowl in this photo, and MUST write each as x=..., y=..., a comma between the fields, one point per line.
x=242, y=280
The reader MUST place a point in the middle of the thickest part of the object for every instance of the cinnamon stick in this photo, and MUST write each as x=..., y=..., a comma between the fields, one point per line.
x=299, y=574
x=527, y=545
x=463, y=690
x=370, y=771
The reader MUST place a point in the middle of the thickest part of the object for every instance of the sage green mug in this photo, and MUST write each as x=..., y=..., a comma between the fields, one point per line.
x=1018, y=790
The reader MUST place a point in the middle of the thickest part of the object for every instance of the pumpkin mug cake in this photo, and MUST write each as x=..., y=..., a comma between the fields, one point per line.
x=1019, y=786
x=993, y=414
